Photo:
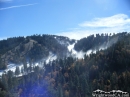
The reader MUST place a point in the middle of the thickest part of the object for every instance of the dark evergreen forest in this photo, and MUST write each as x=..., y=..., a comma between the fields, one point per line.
x=107, y=69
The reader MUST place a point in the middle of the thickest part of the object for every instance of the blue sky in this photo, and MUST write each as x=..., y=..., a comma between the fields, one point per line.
x=71, y=18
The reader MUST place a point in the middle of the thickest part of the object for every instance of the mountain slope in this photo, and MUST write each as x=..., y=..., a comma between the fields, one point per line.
x=106, y=69
x=33, y=48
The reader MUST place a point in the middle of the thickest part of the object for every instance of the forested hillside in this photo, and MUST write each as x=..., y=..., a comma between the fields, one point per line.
x=107, y=69
x=32, y=48
x=98, y=41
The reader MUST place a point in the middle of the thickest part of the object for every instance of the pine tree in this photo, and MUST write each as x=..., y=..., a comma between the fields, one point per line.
x=17, y=71
x=4, y=81
x=25, y=66
x=60, y=91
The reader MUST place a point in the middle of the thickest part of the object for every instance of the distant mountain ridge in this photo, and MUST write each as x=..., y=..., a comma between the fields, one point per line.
x=36, y=47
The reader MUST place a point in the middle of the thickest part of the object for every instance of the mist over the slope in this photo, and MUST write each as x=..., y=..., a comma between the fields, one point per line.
x=80, y=54
x=72, y=52
x=51, y=57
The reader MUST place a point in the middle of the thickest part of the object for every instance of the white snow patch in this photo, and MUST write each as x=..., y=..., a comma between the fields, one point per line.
x=89, y=52
x=71, y=47
x=12, y=67
x=74, y=53
x=79, y=54
x=36, y=64
x=51, y=57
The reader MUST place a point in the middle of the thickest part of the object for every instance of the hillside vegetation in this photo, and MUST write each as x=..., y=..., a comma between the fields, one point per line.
x=32, y=48
x=107, y=70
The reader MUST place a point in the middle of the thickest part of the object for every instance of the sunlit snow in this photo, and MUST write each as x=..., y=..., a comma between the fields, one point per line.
x=51, y=57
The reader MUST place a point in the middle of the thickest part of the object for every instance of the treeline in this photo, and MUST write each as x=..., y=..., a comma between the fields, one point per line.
x=96, y=42
x=35, y=47
x=9, y=44
x=6, y=45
